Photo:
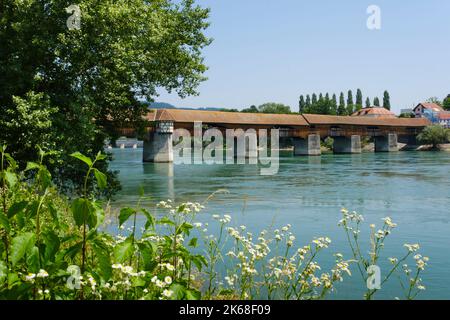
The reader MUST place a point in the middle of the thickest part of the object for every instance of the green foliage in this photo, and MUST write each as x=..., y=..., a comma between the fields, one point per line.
x=341, y=108
x=252, y=109
x=434, y=135
x=53, y=249
x=368, y=104
x=446, y=103
x=386, y=100
x=70, y=90
x=276, y=108
x=376, y=102
x=359, y=100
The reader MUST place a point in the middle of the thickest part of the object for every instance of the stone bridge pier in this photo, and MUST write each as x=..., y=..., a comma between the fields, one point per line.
x=158, y=145
x=307, y=147
x=388, y=143
x=350, y=144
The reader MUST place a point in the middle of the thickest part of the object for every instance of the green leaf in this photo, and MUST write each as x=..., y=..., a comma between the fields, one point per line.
x=179, y=291
x=147, y=256
x=123, y=251
x=20, y=245
x=33, y=260
x=166, y=220
x=83, y=158
x=125, y=214
x=192, y=294
x=101, y=179
x=84, y=212
x=100, y=156
x=32, y=166
x=10, y=178
x=16, y=208
x=193, y=242
x=104, y=262
x=185, y=228
x=4, y=222
x=199, y=261
x=3, y=271
x=52, y=244
x=45, y=178
x=150, y=219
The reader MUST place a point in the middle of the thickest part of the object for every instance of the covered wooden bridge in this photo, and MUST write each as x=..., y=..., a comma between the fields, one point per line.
x=306, y=131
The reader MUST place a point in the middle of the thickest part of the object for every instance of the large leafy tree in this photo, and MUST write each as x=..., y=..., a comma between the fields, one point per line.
x=69, y=90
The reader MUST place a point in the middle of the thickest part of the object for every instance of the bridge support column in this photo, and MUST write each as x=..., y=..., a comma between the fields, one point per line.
x=307, y=147
x=158, y=146
x=386, y=143
x=347, y=144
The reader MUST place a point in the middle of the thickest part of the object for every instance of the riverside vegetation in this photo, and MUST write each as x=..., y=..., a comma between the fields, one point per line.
x=53, y=247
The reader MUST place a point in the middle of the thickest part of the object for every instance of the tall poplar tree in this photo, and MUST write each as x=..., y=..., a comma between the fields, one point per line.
x=386, y=100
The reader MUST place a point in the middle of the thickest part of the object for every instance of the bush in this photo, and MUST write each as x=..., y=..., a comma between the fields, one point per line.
x=434, y=135
x=53, y=248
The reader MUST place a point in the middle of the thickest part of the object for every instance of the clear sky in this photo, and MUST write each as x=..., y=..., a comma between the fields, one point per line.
x=275, y=50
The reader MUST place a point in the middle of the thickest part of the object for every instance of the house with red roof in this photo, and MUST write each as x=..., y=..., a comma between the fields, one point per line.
x=423, y=107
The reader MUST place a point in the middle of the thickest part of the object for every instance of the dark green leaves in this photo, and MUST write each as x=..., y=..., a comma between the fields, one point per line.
x=83, y=158
x=123, y=251
x=125, y=214
x=84, y=212
x=16, y=208
x=21, y=244
x=101, y=179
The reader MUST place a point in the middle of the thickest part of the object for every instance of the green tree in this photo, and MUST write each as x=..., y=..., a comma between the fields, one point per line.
x=368, y=104
x=314, y=99
x=334, y=105
x=301, y=104
x=341, y=108
x=89, y=82
x=350, y=105
x=386, y=100
x=434, y=135
x=376, y=102
x=252, y=109
x=272, y=107
x=359, y=100
x=308, y=103
x=446, y=103
x=435, y=100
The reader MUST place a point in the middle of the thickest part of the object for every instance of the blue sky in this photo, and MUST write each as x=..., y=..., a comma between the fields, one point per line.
x=275, y=50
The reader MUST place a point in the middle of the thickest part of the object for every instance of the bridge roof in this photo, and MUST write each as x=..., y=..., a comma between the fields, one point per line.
x=316, y=119
x=190, y=116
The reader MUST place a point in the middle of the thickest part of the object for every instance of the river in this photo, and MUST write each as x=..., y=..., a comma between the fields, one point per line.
x=413, y=188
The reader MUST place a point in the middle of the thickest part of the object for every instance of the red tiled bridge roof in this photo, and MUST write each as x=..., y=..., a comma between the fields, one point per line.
x=219, y=117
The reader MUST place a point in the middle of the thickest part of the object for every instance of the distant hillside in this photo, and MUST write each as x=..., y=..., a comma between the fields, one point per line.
x=165, y=105
x=161, y=105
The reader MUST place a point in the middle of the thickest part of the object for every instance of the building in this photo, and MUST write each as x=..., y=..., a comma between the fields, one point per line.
x=374, y=112
x=433, y=112
x=444, y=119
x=425, y=108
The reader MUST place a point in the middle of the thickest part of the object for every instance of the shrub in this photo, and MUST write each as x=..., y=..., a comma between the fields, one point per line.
x=434, y=135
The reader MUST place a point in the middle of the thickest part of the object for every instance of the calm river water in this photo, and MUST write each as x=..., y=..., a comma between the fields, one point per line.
x=413, y=188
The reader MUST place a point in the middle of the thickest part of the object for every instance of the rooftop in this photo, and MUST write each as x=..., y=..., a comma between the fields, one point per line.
x=374, y=112
x=190, y=116
x=238, y=118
